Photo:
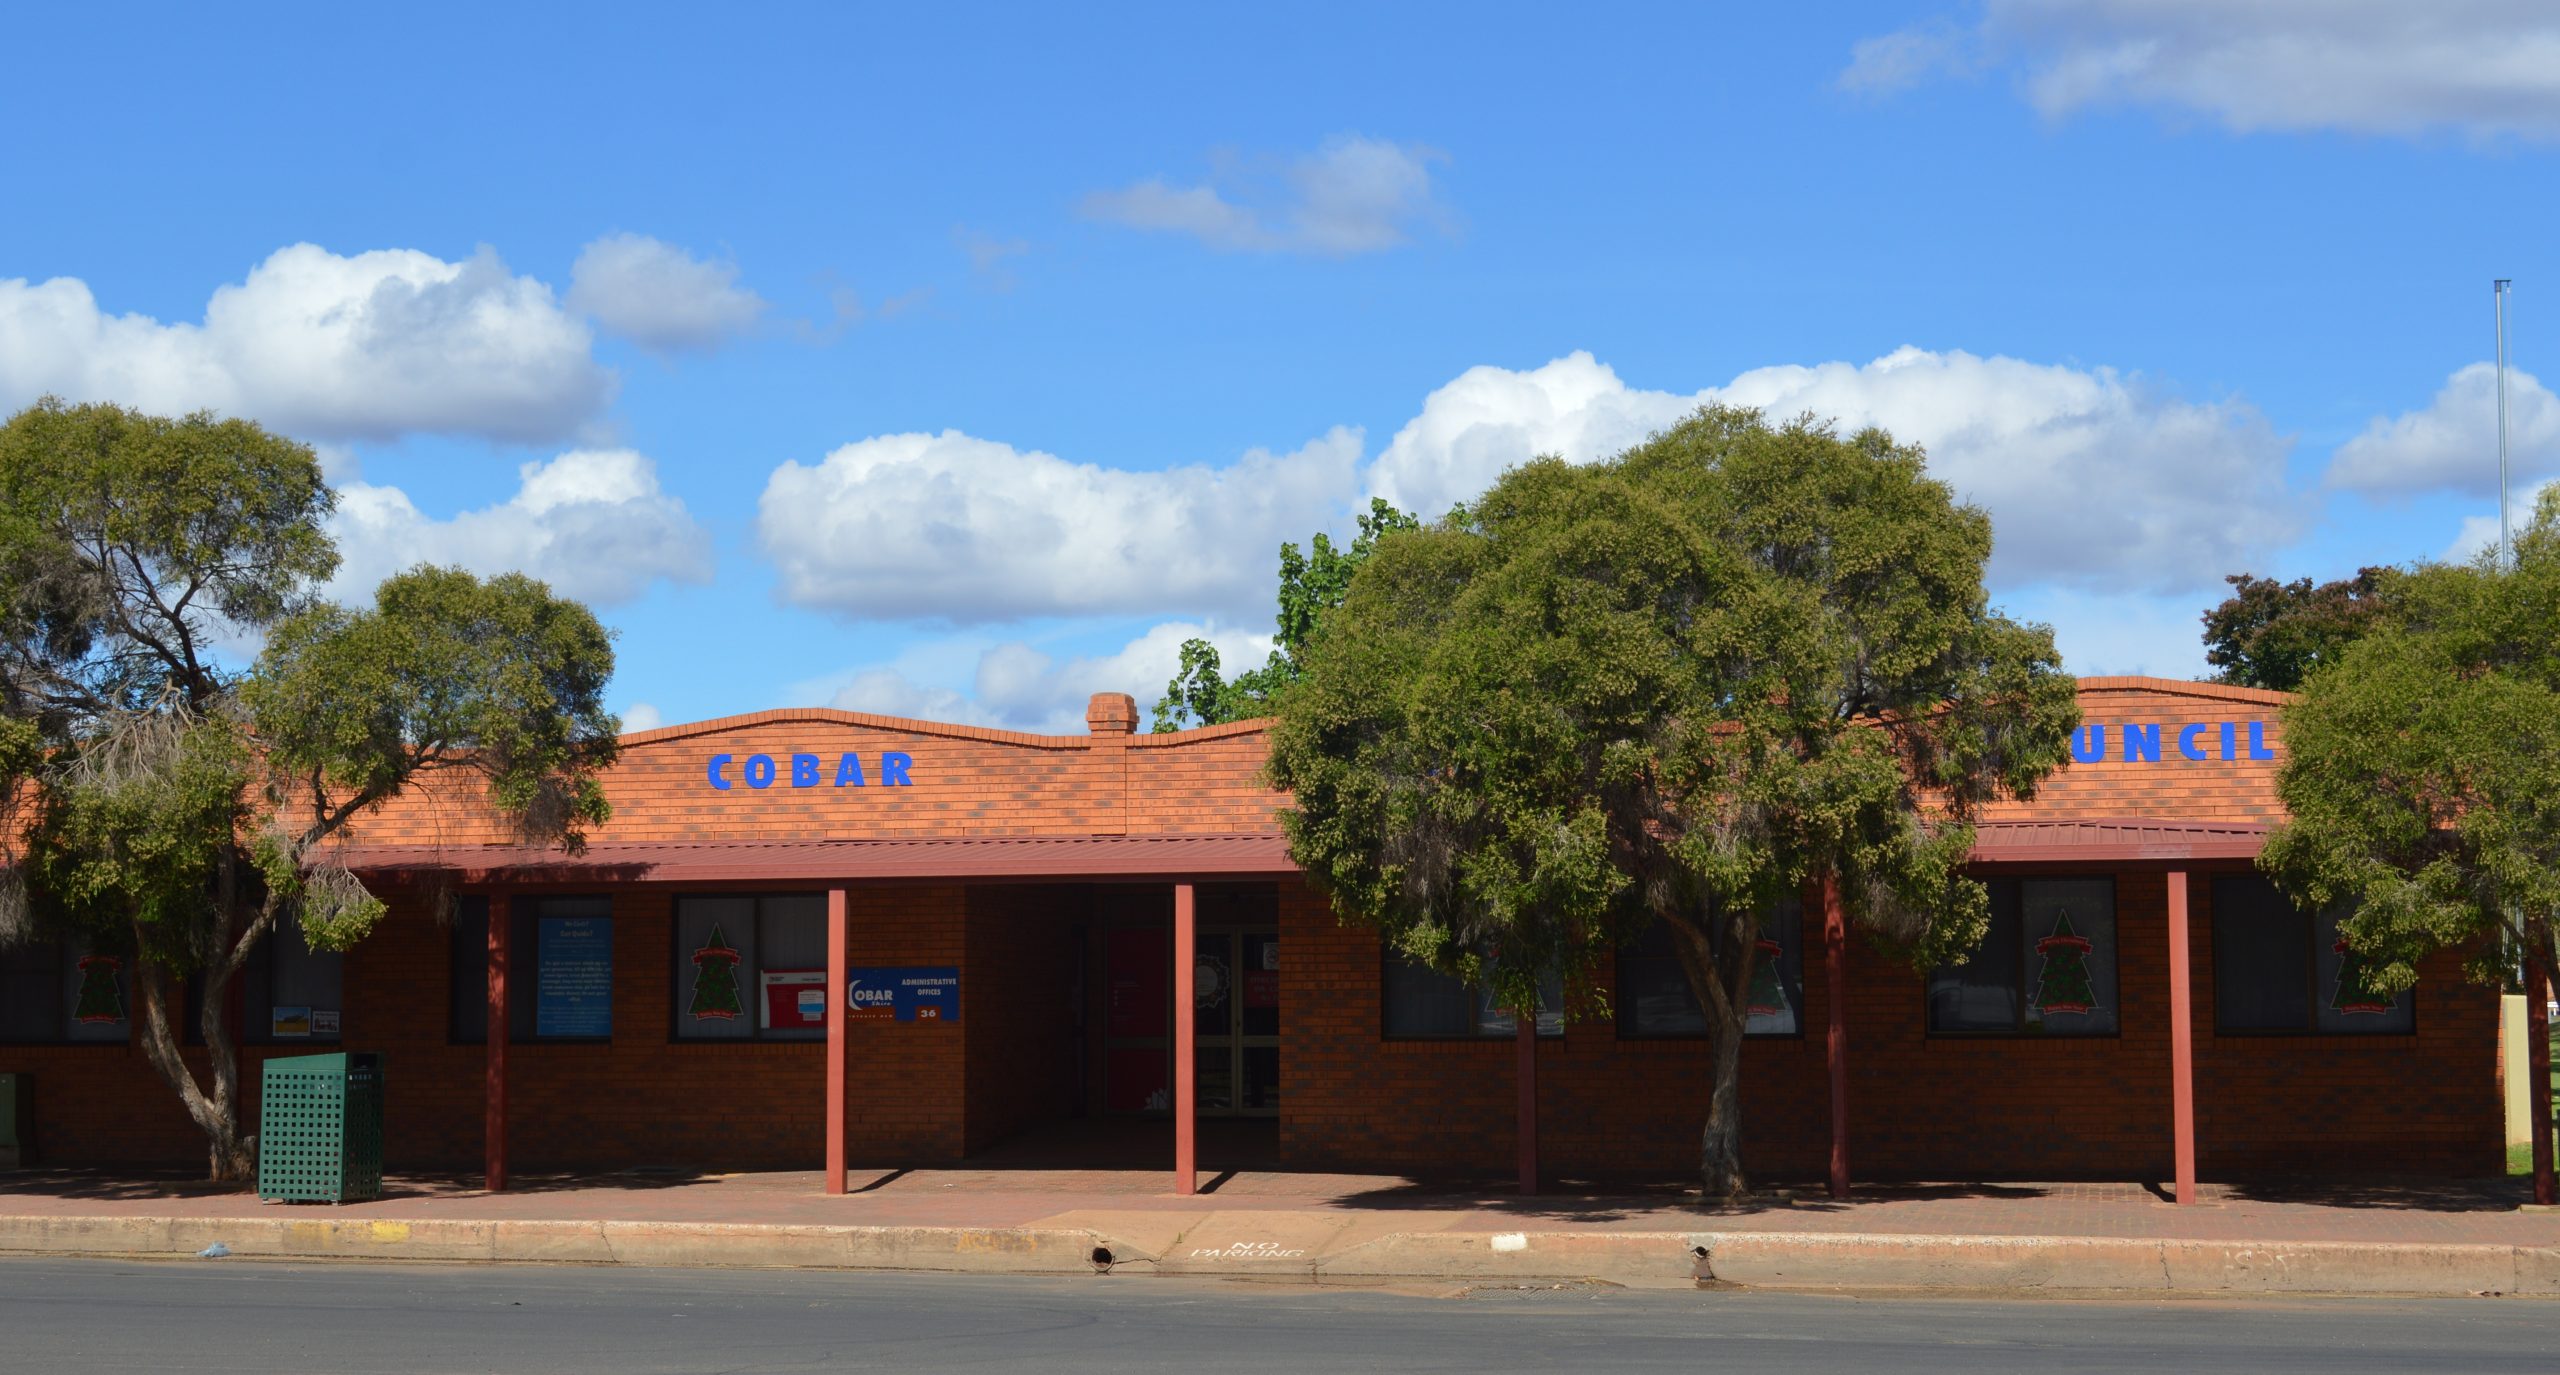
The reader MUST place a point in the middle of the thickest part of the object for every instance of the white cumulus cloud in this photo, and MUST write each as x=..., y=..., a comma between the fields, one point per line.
x=660, y=296
x=373, y=346
x=952, y=527
x=2452, y=443
x=2393, y=67
x=2092, y=477
x=640, y=716
x=2089, y=475
x=593, y=523
x=1352, y=195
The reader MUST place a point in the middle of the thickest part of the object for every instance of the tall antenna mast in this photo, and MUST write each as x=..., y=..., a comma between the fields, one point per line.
x=2506, y=548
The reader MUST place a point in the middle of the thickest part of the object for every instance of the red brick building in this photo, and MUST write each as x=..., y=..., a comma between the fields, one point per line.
x=984, y=922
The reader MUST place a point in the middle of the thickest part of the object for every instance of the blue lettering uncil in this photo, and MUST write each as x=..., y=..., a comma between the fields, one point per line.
x=2142, y=742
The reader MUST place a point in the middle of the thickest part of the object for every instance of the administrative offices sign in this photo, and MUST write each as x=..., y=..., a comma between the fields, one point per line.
x=904, y=993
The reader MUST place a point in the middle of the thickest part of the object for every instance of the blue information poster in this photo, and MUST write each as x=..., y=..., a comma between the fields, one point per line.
x=905, y=993
x=573, y=976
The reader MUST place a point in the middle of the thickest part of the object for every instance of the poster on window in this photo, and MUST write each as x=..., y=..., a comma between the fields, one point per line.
x=290, y=1023
x=573, y=977
x=795, y=999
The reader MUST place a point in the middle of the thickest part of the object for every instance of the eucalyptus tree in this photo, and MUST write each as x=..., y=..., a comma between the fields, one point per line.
x=1735, y=664
x=1311, y=584
x=2419, y=777
x=172, y=809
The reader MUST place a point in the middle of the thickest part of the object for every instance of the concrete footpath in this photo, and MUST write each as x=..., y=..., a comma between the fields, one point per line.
x=2429, y=1238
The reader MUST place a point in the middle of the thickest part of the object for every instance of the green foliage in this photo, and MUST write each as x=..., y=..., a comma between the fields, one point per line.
x=1311, y=584
x=2272, y=634
x=1679, y=685
x=445, y=672
x=129, y=542
x=2420, y=769
x=163, y=805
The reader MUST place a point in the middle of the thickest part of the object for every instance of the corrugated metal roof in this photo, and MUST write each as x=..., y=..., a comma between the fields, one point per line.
x=2135, y=839
x=956, y=857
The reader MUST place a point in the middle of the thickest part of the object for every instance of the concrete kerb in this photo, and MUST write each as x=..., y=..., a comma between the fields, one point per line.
x=1802, y=1260
x=1791, y=1260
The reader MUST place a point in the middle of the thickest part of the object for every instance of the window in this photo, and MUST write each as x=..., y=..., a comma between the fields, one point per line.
x=290, y=992
x=2047, y=966
x=559, y=970
x=1655, y=998
x=1423, y=1003
x=55, y=991
x=750, y=968
x=2278, y=969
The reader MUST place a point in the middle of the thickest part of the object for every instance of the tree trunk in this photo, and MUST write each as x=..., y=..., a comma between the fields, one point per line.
x=230, y=1156
x=1719, y=967
x=1720, y=1150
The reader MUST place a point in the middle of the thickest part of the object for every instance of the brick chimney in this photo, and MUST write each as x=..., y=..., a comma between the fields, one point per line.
x=1112, y=713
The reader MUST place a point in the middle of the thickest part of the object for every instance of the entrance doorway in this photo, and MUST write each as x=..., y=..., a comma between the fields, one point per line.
x=1236, y=1041
x=1235, y=1000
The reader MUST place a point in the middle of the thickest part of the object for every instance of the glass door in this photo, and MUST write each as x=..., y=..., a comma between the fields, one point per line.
x=1236, y=1045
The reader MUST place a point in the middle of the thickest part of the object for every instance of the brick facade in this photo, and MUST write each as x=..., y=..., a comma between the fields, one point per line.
x=1029, y=1047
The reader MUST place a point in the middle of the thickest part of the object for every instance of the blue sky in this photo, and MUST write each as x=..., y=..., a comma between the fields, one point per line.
x=962, y=363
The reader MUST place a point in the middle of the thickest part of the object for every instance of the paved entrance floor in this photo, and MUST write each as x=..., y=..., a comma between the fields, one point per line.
x=992, y=1196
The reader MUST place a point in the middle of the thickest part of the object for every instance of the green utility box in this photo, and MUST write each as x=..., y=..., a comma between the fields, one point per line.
x=320, y=1129
x=17, y=1121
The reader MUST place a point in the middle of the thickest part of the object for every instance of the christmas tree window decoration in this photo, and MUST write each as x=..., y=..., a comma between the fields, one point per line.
x=101, y=999
x=2062, y=986
x=1765, y=1003
x=2354, y=994
x=715, y=979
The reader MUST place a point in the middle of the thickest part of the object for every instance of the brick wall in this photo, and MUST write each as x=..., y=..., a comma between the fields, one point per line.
x=1920, y=1107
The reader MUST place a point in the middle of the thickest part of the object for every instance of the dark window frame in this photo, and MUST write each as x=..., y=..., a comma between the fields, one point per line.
x=63, y=963
x=523, y=969
x=1387, y=958
x=750, y=987
x=1623, y=1014
x=251, y=1032
x=2019, y=1030
x=2312, y=922
x=245, y=1029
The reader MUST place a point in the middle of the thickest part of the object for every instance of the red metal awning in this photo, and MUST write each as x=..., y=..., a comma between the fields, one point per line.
x=730, y=861
x=2132, y=840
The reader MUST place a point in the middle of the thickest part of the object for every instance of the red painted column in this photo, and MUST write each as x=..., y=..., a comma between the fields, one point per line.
x=494, y=1131
x=2537, y=1097
x=2182, y=1041
x=1835, y=979
x=1526, y=1037
x=1186, y=953
x=837, y=924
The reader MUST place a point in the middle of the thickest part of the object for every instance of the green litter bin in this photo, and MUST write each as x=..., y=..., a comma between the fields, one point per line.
x=320, y=1129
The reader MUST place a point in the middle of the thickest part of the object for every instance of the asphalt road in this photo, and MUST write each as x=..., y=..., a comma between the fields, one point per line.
x=230, y=1315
